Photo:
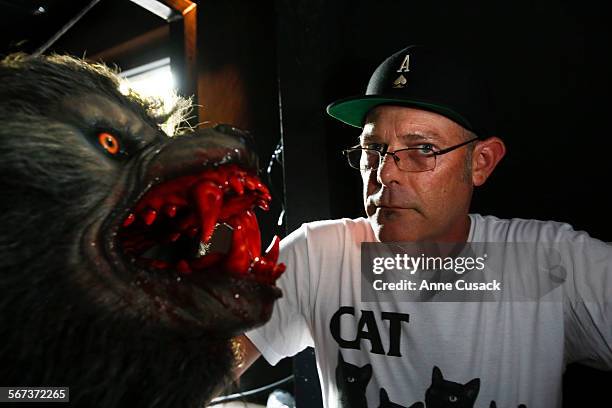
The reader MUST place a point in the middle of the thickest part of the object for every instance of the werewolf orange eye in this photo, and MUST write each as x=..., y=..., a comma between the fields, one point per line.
x=109, y=142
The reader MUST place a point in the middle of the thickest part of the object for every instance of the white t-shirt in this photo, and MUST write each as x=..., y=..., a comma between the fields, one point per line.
x=480, y=354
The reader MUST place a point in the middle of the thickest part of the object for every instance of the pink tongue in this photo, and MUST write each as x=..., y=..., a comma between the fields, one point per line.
x=209, y=199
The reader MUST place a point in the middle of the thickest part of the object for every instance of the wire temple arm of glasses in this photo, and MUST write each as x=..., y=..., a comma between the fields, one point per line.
x=451, y=148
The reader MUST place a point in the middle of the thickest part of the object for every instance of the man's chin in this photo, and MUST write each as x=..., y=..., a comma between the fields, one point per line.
x=398, y=225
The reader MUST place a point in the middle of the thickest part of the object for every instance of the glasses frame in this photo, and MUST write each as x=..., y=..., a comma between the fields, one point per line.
x=384, y=151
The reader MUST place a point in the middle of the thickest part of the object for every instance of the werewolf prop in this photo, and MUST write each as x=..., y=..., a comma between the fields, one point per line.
x=110, y=282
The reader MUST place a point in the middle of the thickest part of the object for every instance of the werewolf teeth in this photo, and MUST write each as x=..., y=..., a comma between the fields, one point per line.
x=272, y=251
x=263, y=205
x=247, y=223
x=278, y=271
x=238, y=259
x=209, y=199
x=129, y=220
x=236, y=184
x=149, y=216
x=249, y=183
x=236, y=205
x=173, y=214
x=170, y=210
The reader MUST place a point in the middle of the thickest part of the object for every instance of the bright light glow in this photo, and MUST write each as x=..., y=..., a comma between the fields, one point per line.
x=153, y=80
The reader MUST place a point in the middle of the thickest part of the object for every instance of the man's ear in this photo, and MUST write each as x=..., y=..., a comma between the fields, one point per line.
x=487, y=154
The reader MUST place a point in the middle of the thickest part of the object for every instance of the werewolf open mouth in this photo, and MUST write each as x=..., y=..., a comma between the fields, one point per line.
x=177, y=219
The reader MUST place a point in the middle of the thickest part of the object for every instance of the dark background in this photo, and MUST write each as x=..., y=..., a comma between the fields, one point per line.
x=272, y=67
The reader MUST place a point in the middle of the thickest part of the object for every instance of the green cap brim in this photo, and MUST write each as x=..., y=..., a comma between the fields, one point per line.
x=353, y=110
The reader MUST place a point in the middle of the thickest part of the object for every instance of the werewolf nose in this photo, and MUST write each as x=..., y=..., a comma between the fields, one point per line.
x=245, y=136
x=204, y=148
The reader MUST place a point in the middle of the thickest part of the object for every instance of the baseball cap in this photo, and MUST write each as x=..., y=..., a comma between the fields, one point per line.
x=443, y=80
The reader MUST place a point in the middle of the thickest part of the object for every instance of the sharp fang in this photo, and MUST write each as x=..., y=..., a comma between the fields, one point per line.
x=263, y=189
x=278, y=271
x=250, y=182
x=236, y=184
x=263, y=205
x=209, y=199
x=238, y=260
x=272, y=251
x=246, y=223
x=149, y=216
x=129, y=220
x=251, y=231
x=170, y=210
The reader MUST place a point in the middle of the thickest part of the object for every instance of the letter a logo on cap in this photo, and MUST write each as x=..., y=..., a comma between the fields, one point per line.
x=405, y=67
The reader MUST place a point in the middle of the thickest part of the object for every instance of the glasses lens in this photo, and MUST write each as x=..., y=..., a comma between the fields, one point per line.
x=421, y=159
x=363, y=159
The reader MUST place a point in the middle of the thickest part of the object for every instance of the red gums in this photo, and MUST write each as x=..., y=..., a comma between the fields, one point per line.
x=226, y=194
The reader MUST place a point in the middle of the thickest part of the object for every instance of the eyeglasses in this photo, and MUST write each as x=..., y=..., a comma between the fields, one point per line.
x=413, y=159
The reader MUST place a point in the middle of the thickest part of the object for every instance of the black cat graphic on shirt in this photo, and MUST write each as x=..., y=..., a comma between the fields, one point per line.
x=443, y=393
x=352, y=382
x=494, y=405
x=385, y=402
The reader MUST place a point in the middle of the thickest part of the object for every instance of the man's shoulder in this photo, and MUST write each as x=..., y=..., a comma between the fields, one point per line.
x=493, y=229
x=340, y=223
x=335, y=230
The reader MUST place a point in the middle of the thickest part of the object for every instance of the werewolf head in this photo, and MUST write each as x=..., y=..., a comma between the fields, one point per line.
x=128, y=255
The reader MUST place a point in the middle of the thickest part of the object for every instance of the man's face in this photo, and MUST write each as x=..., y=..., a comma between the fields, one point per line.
x=416, y=206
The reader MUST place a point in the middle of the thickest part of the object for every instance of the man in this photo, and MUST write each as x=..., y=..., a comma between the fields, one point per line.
x=426, y=143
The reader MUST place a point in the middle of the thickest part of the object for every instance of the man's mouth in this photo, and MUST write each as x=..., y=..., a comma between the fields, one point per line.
x=196, y=223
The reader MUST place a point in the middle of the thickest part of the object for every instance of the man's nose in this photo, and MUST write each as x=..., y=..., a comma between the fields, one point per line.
x=388, y=171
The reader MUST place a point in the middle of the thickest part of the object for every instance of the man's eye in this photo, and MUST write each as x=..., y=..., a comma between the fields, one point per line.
x=425, y=148
x=374, y=146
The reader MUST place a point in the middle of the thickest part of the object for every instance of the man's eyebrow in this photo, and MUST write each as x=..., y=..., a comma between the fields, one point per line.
x=418, y=137
x=406, y=138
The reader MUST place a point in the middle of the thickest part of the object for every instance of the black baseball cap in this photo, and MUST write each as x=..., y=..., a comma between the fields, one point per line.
x=444, y=80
